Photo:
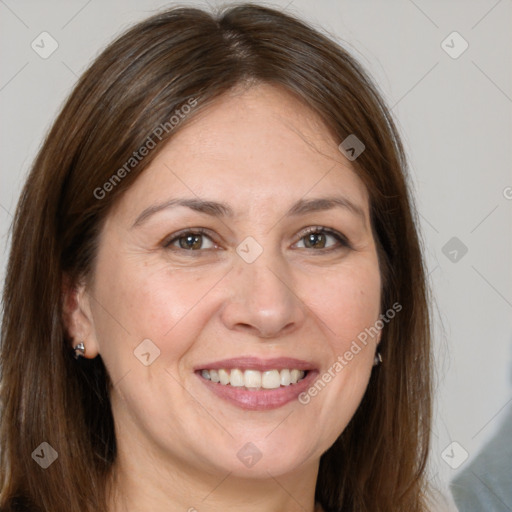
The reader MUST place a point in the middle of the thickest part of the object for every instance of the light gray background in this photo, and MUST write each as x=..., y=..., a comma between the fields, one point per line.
x=455, y=118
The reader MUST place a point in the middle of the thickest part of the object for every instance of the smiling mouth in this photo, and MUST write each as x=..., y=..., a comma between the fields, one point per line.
x=254, y=380
x=256, y=383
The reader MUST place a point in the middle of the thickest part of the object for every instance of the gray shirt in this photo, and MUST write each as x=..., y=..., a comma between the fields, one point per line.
x=486, y=484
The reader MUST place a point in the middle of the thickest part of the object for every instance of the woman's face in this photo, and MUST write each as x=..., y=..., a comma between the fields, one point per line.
x=245, y=248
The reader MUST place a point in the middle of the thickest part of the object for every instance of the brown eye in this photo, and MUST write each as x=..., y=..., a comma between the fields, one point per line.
x=316, y=240
x=190, y=241
x=321, y=238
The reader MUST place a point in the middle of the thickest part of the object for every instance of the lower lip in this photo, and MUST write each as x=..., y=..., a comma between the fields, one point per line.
x=262, y=399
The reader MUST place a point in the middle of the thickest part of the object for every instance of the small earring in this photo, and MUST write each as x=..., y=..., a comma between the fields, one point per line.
x=79, y=350
x=377, y=360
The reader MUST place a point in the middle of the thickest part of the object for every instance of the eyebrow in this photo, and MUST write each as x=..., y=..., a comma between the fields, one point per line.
x=217, y=209
x=325, y=203
x=212, y=208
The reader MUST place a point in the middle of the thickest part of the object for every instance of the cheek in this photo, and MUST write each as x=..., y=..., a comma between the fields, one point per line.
x=347, y=304
x=135, y=301
x=347, y=301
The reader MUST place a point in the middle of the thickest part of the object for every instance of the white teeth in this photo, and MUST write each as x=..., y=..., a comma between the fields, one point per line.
x=254, y=379
x=237, y=378
x=285, y=378
x=295, y=375
x=270, y=379
x=224, y=377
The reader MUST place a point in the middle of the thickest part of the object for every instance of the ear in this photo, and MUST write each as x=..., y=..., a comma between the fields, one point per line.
x=77, y=317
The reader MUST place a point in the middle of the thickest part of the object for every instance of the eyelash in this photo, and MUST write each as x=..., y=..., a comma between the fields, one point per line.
x=341, y=239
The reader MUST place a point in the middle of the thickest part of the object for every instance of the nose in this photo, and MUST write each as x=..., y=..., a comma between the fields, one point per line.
x=261, y=300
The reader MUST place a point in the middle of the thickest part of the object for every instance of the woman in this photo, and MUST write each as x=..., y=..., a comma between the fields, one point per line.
x=215, y=295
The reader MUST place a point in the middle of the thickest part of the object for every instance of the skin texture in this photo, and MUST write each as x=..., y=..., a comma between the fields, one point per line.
x=259, y=150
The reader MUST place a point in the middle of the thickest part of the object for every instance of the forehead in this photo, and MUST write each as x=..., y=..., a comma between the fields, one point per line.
x=250, y=147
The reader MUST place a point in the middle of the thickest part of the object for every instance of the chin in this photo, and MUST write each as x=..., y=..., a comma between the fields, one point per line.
x=263, y=458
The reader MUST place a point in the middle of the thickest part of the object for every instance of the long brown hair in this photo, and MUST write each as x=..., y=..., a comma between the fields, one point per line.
x=137, y=84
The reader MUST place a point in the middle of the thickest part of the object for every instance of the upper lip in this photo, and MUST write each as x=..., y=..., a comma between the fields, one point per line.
x=255, y=363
